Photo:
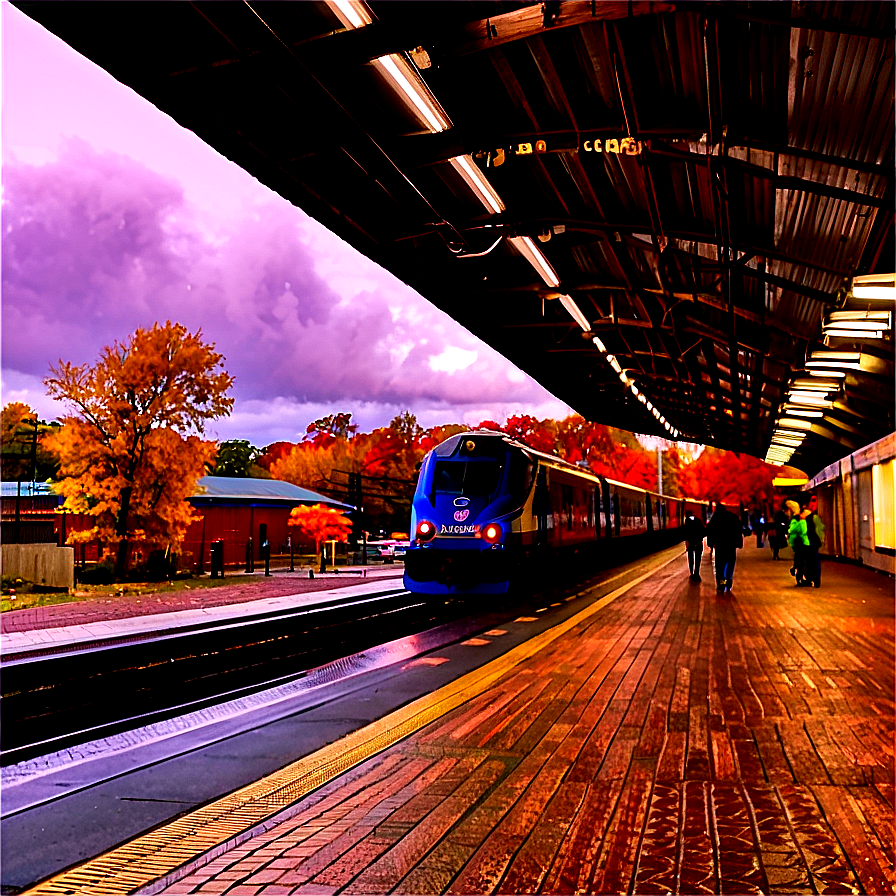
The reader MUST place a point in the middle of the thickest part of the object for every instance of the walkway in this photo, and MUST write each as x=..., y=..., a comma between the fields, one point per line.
x=673, y=740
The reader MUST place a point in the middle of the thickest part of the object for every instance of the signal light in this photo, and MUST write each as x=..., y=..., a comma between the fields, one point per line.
x=425, y=530
x=491, y=533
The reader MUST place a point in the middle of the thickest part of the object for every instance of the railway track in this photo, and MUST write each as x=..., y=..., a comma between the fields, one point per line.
x=53, y=698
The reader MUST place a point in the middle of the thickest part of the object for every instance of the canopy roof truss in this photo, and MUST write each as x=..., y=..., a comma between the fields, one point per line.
x=704, y=179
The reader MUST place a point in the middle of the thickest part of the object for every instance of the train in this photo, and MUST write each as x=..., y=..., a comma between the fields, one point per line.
x=491, y=515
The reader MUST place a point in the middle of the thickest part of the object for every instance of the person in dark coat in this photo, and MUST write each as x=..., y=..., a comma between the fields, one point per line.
x=694, y=533
x=777, y=533
x=725, y=534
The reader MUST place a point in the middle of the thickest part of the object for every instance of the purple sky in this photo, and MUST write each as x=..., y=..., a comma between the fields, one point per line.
x=115, y=217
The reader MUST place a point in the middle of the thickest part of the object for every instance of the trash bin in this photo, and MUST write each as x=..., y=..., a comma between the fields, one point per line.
x=217, y=552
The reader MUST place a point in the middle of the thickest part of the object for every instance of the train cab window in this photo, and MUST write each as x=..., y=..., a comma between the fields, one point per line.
x=522, y=474
x=473, y=478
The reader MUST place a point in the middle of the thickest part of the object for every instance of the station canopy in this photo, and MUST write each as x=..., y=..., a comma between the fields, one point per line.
x=657, y=210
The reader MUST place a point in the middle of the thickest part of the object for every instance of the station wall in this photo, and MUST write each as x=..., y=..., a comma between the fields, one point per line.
x=857, y=501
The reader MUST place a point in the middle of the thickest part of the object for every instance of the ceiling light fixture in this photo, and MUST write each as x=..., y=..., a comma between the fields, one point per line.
x=838, y=333
x=826, y=372
x=813, y=384
x=835, y=360
x=809, y=399
x=351, y=13
x=793, y=424
x=396, y=69
x=797, y=411
x=537, y=258
x=413, y=88
x=569, y=303
x=478, y=183
x=874, y=286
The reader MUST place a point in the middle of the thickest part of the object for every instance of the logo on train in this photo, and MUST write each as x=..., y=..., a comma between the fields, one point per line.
x=461, y=502
x=461, y=515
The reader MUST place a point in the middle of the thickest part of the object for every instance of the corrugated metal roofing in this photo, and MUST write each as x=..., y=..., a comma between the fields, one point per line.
x=233, y=488
x=705, y=263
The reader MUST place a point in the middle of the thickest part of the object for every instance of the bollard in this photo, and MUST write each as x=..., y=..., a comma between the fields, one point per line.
x=310, y=573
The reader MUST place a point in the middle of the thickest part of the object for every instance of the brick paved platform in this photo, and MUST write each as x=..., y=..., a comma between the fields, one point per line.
x=676, y=741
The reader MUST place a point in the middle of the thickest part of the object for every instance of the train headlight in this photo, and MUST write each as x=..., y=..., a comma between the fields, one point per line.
x=491, y=533
x=425, y=530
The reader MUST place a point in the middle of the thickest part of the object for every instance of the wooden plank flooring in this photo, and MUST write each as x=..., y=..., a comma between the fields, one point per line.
x=679, y=741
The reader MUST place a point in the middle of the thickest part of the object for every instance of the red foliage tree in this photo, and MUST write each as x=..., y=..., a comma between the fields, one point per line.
x=727, y=477
x=321, y=524
x=272, y=453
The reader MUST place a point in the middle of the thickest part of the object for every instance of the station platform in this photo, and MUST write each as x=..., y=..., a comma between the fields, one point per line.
x=662, y=738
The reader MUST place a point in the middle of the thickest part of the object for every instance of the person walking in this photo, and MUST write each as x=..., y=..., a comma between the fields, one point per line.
x=725, y=534
x=798, y=539
x=777, y=533
x=815, y=534
x=694, y=533
x=757, y=523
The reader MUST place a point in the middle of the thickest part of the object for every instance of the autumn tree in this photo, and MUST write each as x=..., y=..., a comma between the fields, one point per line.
x=320, y=524
x=270, y=454
x=333, y=426
x=728, y=477
x=131, y=453
x=21, y=440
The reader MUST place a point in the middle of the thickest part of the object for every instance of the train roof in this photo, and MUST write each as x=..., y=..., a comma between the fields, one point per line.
x=450, y=444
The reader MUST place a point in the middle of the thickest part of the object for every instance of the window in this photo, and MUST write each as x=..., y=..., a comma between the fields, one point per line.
x=883, y=501
x=470, y=478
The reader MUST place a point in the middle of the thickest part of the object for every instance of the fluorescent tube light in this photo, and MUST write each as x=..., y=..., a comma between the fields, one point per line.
x=351, y=13
x=811, y=384
x=569, y=303
x=538, y=260
x=809, y=399
x=835, y=360
x=396, y=69
x=409, y=83
x=826, y=372
x=786, y=422
x=840, y=333
x=874, y=286
x=797, y=411
x=860, y=320
x=478, y=183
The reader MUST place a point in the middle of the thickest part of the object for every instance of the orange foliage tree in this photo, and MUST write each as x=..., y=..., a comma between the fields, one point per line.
x=131, y=454
x=321, y=524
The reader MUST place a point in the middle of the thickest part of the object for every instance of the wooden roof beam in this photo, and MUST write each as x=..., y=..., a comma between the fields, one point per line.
x=530, y=20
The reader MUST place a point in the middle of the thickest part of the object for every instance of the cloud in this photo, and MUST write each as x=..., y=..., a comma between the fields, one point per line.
x=97, y=244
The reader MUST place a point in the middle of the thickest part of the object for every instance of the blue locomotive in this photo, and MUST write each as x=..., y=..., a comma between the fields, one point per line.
x=490, y=513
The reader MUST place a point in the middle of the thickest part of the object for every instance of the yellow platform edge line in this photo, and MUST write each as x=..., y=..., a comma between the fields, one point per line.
x=123, y=869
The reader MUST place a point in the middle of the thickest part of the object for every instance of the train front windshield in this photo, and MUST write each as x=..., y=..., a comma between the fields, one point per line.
x=472, y=479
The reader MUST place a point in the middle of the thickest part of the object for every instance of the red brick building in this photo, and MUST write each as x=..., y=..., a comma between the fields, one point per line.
x=244, y=513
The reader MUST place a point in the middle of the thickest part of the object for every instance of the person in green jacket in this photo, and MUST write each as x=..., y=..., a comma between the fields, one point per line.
x=815, y=533
x=798, y=539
